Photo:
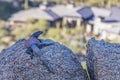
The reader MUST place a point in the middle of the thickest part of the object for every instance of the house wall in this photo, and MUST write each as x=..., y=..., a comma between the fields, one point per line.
x=56, y=23
x=99, y=28
x=89, y=28
x=105, y=34
x=110, y=35
x=70, y=19
x=13, y=24
x=21, y=23
x=99, y=25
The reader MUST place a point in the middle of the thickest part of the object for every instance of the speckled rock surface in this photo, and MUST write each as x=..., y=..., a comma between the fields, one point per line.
x=15, y=64
x=103, y=60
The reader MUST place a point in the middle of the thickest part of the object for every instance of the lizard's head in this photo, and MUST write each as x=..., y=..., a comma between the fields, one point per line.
x=37, y=34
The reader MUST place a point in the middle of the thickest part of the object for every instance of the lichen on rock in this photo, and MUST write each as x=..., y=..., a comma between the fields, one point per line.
x=103, y=60
x=15, y=64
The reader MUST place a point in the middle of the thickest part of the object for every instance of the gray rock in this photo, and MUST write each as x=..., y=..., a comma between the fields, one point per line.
x=103, y=60
x=15, y=64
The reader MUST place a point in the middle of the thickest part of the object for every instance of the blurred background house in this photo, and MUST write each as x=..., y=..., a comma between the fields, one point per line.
x=23, y=16
x=71, y=22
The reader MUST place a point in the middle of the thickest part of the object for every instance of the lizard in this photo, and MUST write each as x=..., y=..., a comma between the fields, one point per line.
x=32, y=45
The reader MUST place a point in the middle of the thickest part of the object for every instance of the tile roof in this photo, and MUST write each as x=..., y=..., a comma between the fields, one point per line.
x=35, y=13
x=100, y=12
x=63, y=10
x=51, y=13
x=86, y=13
x=59, y=11
x=115, y=15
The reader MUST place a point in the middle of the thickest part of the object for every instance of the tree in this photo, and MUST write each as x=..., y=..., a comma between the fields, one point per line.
x=26, y=5
x=42, y=25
